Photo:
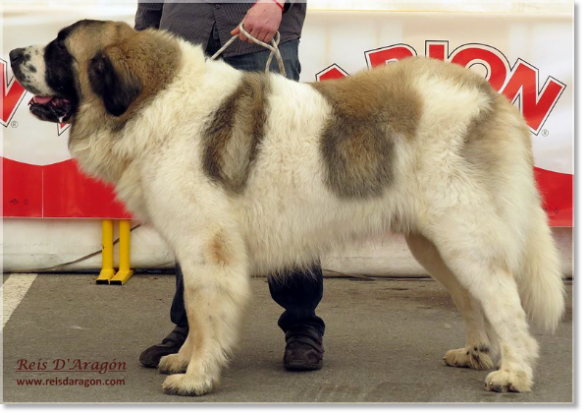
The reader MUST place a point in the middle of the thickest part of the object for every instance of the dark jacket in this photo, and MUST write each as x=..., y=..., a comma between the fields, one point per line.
x=194, y=21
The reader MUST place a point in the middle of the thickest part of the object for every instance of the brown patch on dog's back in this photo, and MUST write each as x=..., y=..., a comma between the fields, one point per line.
x=370, y=111
x=233, y=135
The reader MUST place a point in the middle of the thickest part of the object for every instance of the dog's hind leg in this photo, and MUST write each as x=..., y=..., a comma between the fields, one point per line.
x=216, y=280
x=482, y=252
x=479, y=349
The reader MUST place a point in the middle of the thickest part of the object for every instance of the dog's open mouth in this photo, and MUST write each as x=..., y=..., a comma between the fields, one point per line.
x=53, y=109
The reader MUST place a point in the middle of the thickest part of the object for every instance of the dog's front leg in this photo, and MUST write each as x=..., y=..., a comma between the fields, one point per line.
x=216, y=280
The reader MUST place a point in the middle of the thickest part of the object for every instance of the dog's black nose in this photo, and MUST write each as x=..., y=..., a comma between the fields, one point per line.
x=16, y=55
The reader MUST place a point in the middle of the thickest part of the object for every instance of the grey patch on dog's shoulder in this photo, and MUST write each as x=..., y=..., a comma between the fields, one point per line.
x=233, y=135
x=357, y=157
x=371, y=110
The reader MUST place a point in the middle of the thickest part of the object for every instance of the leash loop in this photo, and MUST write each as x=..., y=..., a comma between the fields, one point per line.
x=273, y=48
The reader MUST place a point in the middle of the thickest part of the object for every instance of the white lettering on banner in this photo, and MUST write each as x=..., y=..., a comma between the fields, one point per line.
x=518, y=83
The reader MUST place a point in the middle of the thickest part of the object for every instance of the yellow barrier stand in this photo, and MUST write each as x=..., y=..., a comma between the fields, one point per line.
x=107, y=272
x=124, y=273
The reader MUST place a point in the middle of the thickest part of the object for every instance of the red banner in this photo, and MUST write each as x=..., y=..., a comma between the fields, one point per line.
x=57, y=190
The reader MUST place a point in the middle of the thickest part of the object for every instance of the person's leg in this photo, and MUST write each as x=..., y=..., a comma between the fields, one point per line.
x=173, y=342
x=299, y=293
x=178, y=313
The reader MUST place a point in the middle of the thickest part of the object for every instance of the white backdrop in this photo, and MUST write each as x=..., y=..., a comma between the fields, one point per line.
x=341, y=38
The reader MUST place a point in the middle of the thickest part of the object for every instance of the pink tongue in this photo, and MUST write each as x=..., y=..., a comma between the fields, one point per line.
x=43, y=100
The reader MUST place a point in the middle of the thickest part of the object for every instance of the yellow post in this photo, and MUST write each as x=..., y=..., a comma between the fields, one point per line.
x=107, y=272
x=124, y=273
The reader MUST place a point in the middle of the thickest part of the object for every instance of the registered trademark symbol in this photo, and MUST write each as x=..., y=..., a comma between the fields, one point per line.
x=14, y=124
x=545, y=133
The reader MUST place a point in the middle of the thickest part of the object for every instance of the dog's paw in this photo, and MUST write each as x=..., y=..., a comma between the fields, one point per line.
x=474, y=357
x=508, y=381
x=172, y=363
x=187, y=385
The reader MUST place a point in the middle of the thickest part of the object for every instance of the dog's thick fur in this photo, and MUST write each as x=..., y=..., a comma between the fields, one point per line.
x=254, y=174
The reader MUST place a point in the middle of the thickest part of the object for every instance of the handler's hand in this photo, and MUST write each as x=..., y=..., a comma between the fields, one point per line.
x=262, y=21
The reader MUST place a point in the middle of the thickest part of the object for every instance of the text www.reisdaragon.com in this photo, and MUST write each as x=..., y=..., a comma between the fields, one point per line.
x=86, y=383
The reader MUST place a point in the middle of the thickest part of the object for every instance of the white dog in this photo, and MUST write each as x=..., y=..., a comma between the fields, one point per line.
x=247, y=173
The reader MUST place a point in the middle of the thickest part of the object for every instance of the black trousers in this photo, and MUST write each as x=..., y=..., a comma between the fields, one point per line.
x=298, y=293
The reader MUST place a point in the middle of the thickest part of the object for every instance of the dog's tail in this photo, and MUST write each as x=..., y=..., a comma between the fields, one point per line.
x=540, y=279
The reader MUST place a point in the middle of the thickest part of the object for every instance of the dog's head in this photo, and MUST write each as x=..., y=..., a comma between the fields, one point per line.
x=102, y=63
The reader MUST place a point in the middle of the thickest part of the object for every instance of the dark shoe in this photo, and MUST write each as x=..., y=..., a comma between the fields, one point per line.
x=304, y=349
x=170, y=344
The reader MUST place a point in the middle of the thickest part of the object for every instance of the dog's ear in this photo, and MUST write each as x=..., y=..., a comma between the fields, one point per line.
x=113, y=81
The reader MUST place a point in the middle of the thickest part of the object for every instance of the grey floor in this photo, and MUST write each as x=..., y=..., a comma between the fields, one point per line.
x=384, y=343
